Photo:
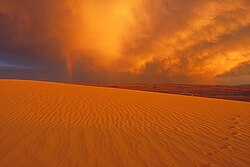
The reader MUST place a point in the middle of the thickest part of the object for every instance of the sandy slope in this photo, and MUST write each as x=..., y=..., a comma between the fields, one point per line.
x=51, y=124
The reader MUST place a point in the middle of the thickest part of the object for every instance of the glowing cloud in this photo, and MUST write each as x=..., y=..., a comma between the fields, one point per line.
x=135, y=40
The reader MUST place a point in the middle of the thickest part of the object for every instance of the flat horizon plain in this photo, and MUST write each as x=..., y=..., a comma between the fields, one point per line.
x=235, y=92
x=54, y=124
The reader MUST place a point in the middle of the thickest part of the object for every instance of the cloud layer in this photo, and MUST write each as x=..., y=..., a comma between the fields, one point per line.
x=164, y=41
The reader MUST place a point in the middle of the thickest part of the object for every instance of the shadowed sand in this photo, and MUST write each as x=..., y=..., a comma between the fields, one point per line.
x=53, y=124
x=240, y=93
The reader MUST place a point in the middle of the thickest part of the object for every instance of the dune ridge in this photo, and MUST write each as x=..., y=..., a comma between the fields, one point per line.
x=55, y=124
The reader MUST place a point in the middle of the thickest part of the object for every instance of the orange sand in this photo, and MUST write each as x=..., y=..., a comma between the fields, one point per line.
x=56, y=125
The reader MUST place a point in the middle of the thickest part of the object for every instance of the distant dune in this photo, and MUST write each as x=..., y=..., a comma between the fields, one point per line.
x=239, y=93
x=61, y=125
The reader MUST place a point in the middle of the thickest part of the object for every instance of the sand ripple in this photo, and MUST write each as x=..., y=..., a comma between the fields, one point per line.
x=51, y=124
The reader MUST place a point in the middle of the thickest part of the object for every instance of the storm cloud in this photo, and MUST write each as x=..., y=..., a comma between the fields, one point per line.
x=133, y=41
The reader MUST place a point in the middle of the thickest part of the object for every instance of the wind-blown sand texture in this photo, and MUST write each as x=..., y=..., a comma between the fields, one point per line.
x=56, y=125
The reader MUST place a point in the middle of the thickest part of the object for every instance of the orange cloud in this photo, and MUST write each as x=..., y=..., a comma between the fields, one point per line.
x=184, y=41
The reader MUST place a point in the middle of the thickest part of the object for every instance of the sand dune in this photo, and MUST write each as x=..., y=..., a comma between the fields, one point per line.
x=52, y=124
x=240, y=93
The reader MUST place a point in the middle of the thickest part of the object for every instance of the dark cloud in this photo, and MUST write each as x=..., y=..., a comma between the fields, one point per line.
x=243, y=69
x=139, y=41
x=27, y=39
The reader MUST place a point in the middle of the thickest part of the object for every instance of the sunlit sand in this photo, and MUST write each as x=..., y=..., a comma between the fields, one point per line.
x=56, y=125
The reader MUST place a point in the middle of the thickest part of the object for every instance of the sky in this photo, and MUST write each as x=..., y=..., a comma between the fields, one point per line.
x=132, y=41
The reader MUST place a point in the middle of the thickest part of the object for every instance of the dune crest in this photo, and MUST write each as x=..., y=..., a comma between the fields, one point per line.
x=54, y=124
